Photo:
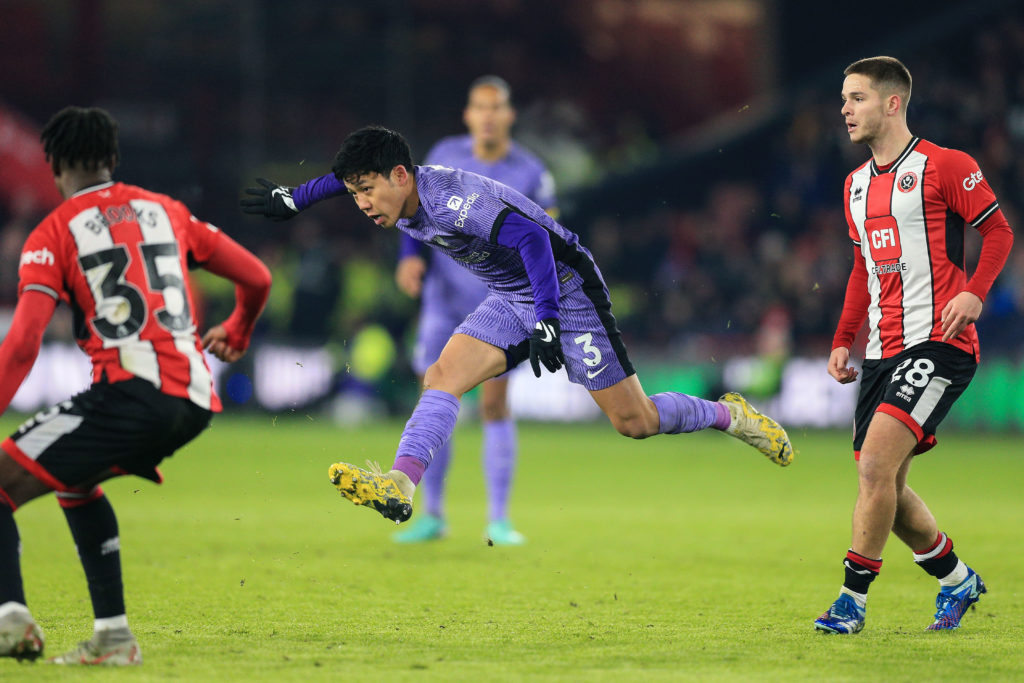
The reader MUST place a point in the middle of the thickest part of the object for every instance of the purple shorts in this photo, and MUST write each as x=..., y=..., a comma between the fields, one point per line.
x=594, y=353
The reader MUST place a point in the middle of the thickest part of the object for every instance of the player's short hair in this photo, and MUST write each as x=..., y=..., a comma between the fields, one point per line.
x=491, y=81
x=85, y=136
x=373, y=149
x=887, y=74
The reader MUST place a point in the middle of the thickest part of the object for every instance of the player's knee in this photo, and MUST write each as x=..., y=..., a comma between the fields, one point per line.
x=875, y=474
x=434, y=376
x=633, y=426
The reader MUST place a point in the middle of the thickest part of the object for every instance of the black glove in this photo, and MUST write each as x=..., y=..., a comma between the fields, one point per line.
x=272, y=200
x=546, y=347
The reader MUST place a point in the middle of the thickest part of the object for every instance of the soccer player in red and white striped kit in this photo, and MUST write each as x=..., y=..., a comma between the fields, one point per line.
x=907, y=209
x=117, y=255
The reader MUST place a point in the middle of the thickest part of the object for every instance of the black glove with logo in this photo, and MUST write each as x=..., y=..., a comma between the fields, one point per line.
x=546, y=347
x=272, y=200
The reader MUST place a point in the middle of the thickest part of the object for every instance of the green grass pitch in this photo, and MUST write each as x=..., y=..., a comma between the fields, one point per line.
x=676, y=558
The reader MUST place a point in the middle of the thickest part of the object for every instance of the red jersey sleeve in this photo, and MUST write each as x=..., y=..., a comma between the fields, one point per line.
x=42, y=262
x=855, y=305
x=969, y=195
x=203, y=239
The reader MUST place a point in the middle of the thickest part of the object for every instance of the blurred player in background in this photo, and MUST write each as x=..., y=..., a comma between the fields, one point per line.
x=118, y=256
x=546, y=301
x=450, y=293
x=907, y=209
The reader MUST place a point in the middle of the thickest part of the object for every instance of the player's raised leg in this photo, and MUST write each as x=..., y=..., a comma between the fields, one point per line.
x=439, y=316
x=464, y=363
x=636, y=415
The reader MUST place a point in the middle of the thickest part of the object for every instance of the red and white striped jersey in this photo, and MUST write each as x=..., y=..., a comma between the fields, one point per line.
x=118, y=255
x=908, y=221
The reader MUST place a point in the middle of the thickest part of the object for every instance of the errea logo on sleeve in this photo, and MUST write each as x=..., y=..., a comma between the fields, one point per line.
x=43, y=257
x=454, y=202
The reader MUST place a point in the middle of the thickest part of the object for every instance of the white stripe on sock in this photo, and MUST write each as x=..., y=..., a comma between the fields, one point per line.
x=934, y=551
x=108, y=623
x=955, y=577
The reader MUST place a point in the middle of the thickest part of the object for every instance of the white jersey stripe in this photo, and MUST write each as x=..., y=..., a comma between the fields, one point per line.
x=200, y=385
x=139, y=358
x=91, y=232
x=153, y=221
x=918, y=295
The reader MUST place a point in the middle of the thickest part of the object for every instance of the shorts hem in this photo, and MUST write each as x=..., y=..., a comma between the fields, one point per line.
x=925, y=442
x=31, y=466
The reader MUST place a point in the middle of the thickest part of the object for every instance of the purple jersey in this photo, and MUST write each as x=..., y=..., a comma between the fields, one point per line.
x=462, y=214
x=448, y=288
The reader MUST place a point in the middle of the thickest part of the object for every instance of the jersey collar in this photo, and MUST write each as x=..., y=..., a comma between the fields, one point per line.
x=875, y=170
x=93, y=188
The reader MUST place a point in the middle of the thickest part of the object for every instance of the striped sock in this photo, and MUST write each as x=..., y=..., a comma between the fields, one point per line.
x=860, y=572
x=940, y=561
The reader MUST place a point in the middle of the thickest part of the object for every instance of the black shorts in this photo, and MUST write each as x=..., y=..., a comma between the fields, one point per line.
x=917, y=387
x=125, y=427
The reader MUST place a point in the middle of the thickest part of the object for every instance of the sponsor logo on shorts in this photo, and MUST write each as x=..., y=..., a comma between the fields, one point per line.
x=43, y=257
x=906, y=392
x=595, y=373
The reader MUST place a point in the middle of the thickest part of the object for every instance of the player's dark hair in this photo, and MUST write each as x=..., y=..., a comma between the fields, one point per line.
x=492, y=81
x=373, y=149
x=887, y=75
x=80, y=136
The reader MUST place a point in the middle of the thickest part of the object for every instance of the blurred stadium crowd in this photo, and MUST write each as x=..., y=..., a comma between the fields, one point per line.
x=740, y=249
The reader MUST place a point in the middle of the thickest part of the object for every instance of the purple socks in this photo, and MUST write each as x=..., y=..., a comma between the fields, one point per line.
x=679, y=413
x=499, y=464
x=433, y=480
x=427, y=430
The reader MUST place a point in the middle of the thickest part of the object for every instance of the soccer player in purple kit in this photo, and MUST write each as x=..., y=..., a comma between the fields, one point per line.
x=547, y=302
x=450, y=293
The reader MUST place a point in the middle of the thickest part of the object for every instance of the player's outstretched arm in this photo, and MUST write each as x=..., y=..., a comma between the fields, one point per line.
x=269, y=199
x=280, y=202
x=229, y=340
x=21, y=345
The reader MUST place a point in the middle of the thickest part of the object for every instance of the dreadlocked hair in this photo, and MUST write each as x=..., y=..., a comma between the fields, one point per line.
x=81, y=136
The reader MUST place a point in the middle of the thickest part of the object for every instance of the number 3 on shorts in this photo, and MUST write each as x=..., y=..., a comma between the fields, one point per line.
x=593, y=354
